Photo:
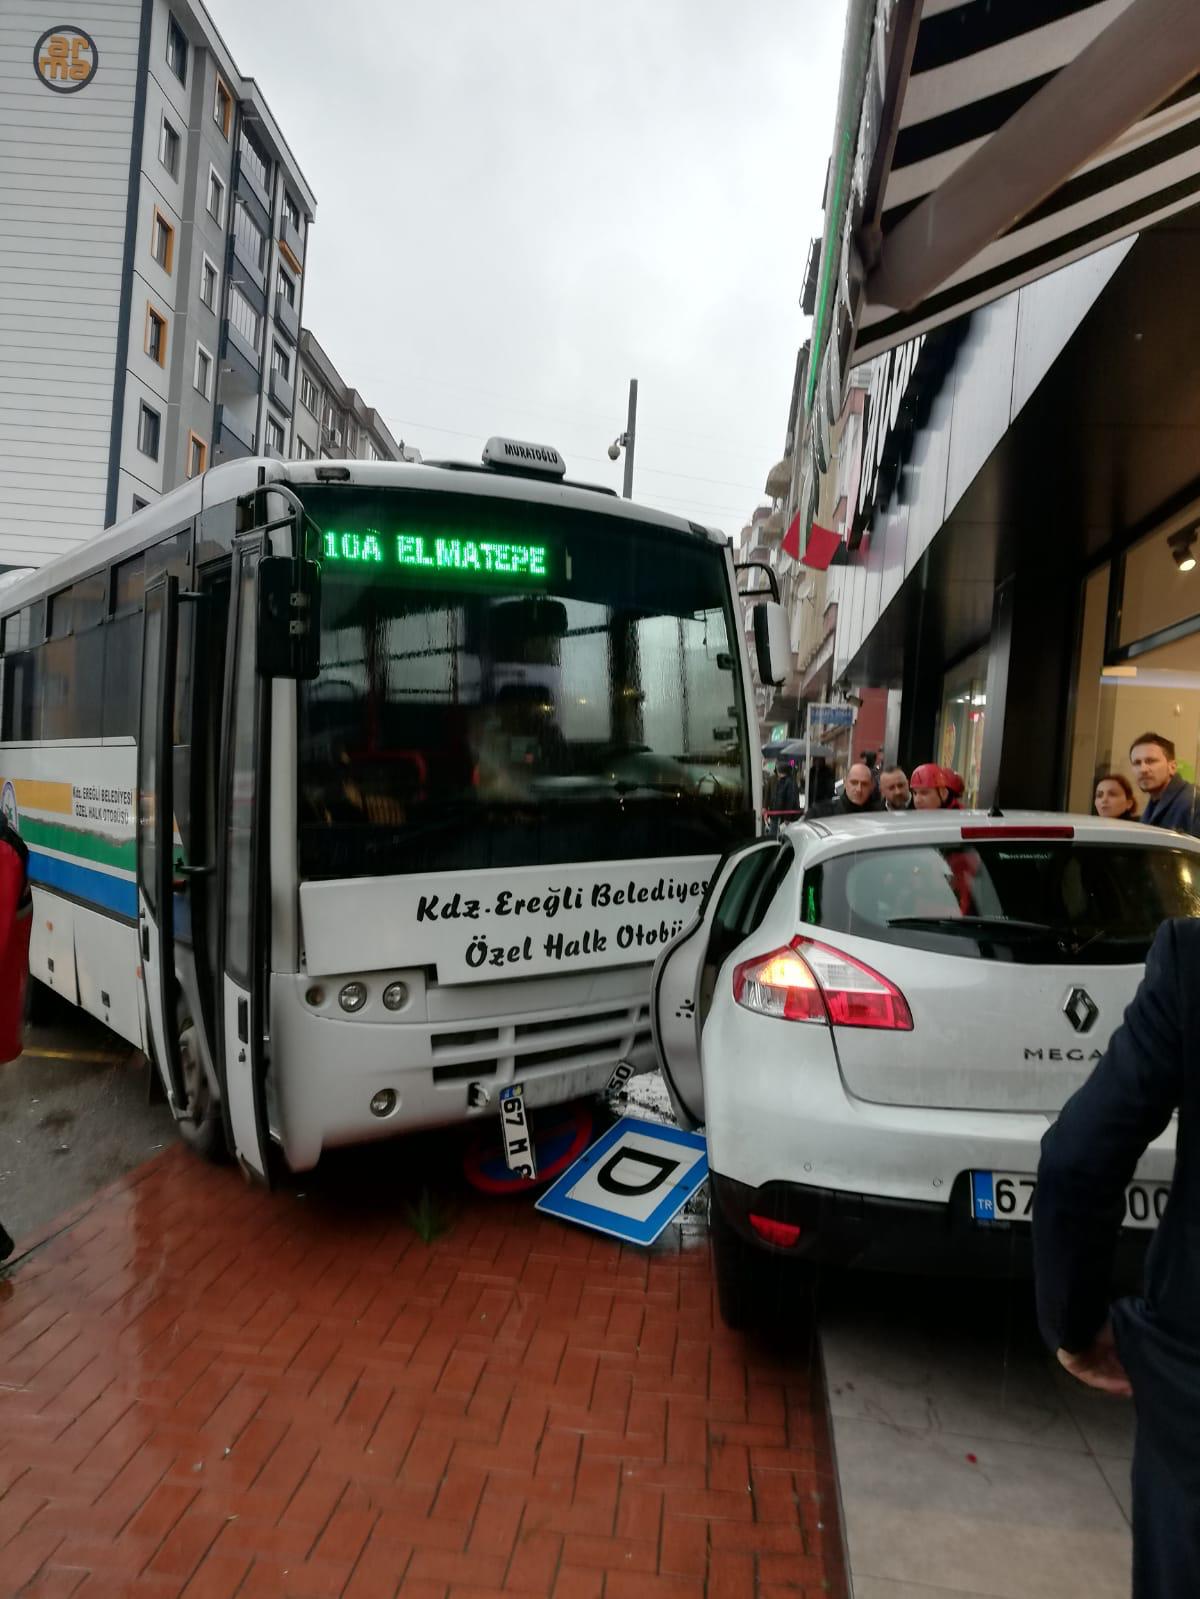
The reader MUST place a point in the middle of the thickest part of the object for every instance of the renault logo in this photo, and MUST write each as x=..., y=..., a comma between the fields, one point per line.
x=1080, y=1009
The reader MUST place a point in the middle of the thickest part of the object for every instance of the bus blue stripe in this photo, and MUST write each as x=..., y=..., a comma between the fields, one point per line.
x=117, y=894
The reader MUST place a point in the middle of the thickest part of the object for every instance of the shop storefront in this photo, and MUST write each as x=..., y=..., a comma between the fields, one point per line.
x=959, y=742
x=1023, y=587
x=1138, y=665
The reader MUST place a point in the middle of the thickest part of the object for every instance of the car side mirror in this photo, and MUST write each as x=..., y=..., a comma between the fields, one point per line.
x=289, y=617
x=772, y=642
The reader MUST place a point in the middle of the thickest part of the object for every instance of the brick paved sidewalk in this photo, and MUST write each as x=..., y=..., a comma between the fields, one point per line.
x=210, y=1391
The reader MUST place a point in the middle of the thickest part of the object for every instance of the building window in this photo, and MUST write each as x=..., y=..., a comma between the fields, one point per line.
x=242, y=316
x=162, y=241
x=210, y=283
x=223, y=108
x=285, y=287
x=177, y=49
x=250, y=236
x=304, y=451
x=197, y=455
x=149, y=428
x=202, y=375
x=139, y=504
x=291, y=211
x=280, y=363
x=168, y=148
x=156, y=336
x=274, y=435
x=370, y=453
x=216, y=197
x=308, y=394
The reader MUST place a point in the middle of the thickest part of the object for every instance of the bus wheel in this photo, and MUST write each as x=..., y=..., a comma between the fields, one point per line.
x=202, y=1129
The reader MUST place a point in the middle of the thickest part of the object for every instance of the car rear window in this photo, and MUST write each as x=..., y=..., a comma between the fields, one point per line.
x=1037, y=901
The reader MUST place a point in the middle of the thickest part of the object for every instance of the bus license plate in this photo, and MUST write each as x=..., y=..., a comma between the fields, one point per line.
x=518, y=1146
x=1008, y=1196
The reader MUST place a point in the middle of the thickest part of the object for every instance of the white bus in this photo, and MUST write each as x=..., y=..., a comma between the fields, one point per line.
x=359, y=794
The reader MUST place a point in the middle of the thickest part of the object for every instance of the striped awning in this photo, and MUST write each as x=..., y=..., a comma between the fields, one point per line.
x=1013, y=138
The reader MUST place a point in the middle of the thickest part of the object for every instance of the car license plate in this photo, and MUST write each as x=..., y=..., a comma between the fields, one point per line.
x=1008, y=1196
x=518, y=1146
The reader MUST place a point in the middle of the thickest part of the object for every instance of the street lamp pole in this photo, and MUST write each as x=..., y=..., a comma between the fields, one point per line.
x=630, y=436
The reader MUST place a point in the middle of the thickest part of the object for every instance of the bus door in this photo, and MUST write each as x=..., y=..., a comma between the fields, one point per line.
x=243, y=905
x=156, y=833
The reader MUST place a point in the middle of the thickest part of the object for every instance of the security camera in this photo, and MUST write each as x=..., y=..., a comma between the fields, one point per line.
x=614, y=450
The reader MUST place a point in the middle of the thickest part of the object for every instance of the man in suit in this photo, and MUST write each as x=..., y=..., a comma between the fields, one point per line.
x=858, y=797
x=1170, y=801
x=1149, y=1346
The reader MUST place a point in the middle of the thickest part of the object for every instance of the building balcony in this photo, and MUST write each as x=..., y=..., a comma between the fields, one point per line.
x=253, y=186
x=230, y=441
x=288, y=318
x=292, y=238
x=247, y=266
x=240, y=362
x=281, y=391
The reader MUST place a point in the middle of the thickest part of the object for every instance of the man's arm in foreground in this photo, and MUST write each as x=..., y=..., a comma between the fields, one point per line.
x=1090, y=1153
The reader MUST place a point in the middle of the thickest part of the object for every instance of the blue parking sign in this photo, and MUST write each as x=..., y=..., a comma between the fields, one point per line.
x=631, y=1182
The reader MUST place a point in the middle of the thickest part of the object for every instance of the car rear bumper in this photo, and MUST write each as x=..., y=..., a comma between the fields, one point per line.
x=875, y=1234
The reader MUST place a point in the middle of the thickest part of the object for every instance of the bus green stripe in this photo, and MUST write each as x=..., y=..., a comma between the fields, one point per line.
x=84, y=846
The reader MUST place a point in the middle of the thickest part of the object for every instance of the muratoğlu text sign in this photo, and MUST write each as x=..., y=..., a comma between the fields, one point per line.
x=436, y=553
x=485, y=926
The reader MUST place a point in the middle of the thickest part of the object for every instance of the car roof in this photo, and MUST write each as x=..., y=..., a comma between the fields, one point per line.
x=882, y=829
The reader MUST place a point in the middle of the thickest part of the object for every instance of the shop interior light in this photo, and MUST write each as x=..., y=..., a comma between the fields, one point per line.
x=1182, y=545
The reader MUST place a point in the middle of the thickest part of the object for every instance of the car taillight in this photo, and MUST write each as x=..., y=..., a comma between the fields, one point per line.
x=783, y=1234
x=780, y=984
x=811, y=982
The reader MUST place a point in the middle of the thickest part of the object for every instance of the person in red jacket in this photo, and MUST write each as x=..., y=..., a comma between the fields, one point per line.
x=16, y=920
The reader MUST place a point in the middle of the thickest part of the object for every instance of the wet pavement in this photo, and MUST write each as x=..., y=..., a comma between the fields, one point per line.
x=74, y=1115
x=970, y=1465
x=376, y=1381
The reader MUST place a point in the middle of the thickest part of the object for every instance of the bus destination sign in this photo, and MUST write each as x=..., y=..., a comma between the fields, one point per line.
x=436, y=553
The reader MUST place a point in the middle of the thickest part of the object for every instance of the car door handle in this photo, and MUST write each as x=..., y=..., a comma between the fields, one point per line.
x=243, y=1022
x=145, y=942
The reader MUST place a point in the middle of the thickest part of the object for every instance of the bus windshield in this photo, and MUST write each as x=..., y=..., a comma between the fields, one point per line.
x=508, y=684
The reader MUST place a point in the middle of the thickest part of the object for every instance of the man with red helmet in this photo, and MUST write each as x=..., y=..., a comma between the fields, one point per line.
x=930, y=789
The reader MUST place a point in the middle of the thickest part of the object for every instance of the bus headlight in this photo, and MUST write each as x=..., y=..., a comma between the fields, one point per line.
x=395, y=995
x=353, y=997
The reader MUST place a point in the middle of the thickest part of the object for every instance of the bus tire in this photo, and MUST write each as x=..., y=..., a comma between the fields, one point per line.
x=203, y=1128
x=39, y=1003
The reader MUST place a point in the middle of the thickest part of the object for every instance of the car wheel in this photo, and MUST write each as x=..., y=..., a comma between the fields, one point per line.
x=756, y=1290
x=202, y=1129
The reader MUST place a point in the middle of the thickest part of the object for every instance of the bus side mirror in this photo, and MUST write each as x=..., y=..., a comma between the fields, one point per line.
x=772, y=642
x=289, y=617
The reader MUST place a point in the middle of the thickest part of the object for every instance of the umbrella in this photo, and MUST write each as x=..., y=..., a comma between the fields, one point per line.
x=792, y=749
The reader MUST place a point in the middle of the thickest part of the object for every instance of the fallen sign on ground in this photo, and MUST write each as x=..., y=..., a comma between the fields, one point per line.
x=631, y=1182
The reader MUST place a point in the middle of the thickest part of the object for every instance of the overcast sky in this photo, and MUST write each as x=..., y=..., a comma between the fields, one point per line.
x=521, y=206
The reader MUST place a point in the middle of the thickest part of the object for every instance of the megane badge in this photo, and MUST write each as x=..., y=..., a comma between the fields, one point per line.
x=1080, y=1009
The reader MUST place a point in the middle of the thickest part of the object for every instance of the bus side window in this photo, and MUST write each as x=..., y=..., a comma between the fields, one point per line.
x=123, y=649
x=122, y=637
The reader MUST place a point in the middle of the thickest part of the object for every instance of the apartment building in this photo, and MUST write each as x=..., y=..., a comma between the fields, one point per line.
x=153, y=234
x=333, y=421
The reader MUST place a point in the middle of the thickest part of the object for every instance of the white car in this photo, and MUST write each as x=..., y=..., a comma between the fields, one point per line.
x=876, y=1019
